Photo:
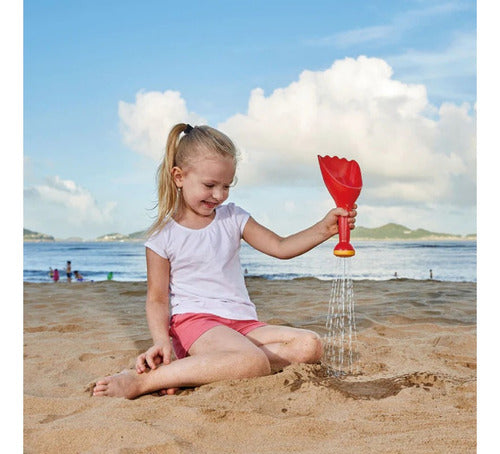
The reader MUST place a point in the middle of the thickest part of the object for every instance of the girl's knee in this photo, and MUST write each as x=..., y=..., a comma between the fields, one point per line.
x=310, y=348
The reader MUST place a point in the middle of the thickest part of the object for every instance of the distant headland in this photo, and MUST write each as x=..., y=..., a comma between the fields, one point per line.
x=388, y=232
x=29, y=235
x=393, y=231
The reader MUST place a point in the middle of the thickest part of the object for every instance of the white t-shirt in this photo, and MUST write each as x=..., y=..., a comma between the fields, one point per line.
x=205, y=268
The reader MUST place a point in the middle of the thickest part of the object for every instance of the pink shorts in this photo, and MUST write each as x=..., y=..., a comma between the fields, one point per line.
x=186, y=328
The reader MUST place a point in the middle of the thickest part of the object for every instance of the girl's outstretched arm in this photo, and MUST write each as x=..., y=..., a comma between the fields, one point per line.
x=265, y=240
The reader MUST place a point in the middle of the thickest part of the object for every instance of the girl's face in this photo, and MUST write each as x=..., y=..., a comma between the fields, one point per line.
x=205, y=182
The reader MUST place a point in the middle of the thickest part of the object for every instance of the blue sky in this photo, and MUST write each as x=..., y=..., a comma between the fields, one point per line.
x=390, y=84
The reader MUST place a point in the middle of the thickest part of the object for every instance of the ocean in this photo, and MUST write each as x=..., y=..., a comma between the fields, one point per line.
x=376, y=260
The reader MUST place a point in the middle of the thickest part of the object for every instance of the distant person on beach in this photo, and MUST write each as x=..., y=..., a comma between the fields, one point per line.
x=56, y=275
x=78, y=276
x=110, y=276
x=430, y=274
x=51, y=273
x=196, y=291
x=68, y=271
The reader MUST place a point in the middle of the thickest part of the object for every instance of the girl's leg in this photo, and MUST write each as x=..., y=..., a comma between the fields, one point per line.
x=284, y=345
x=219, y=354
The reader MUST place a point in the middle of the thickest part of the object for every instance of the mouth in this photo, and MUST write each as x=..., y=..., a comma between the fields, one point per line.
x=210, y=205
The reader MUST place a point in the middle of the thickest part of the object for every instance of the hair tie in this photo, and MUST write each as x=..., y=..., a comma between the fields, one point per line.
x=187, y=129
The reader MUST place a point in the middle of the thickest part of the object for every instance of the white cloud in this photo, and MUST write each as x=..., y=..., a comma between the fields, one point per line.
x=356, y=110
x=63, y=206
x=411, y=153
x=146, y=123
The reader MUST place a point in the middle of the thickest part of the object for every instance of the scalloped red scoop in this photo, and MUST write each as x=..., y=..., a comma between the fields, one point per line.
x=343, y=181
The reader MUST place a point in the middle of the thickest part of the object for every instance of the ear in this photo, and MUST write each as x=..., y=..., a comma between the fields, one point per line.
x=178, y=176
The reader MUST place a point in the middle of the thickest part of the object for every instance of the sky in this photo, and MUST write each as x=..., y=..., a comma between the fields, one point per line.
x=389, y=84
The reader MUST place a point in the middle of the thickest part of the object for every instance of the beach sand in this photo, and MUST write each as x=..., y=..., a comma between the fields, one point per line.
x=415, y=391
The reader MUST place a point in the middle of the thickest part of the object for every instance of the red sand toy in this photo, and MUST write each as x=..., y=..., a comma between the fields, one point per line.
x=343, y=181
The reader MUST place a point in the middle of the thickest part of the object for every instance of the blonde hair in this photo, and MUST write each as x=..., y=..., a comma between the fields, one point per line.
x=179, y=152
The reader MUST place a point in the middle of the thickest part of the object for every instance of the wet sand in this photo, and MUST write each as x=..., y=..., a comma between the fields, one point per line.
x=415, y=390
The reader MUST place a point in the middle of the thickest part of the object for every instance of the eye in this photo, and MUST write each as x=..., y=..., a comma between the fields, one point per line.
x=209, y=185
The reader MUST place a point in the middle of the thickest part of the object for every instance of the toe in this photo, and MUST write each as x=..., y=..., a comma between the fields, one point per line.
x=100, y=388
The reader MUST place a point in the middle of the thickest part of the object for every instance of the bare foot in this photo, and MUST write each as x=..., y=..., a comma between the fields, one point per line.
x=125, y=384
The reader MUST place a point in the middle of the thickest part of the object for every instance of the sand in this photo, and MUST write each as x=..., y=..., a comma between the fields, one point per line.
x=415, y=390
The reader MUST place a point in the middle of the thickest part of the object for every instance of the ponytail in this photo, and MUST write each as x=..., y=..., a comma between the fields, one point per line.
x=168, y=197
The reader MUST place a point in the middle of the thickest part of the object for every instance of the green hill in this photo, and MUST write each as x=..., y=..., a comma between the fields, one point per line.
x=141, y=235
x=30, y=235
x=398, y=232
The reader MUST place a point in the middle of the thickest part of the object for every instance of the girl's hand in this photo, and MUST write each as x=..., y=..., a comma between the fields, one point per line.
x=156, y=355
x=331, y=219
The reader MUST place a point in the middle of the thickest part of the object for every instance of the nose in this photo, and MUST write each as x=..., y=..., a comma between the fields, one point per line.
x=218, y=194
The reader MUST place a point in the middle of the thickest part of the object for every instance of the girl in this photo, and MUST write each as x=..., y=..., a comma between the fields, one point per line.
x=196, y=291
